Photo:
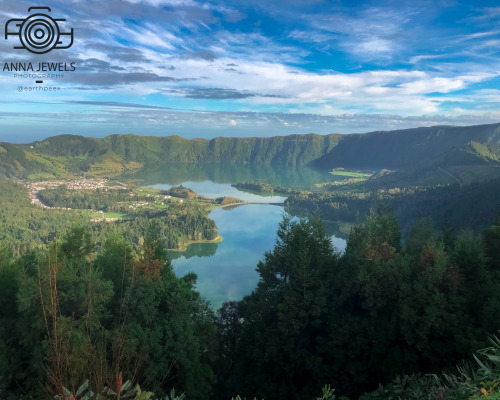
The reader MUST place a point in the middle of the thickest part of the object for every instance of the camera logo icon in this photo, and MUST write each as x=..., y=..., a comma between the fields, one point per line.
x=39, y=33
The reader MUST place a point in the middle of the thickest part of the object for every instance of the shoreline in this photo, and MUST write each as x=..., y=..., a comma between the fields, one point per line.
x=218, y=239
x=249, y=202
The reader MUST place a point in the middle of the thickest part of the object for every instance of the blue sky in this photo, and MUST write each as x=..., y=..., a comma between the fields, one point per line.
x=257, y=68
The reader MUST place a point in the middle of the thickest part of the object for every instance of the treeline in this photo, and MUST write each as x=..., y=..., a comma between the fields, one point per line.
x=173, y=231
x=267, y=188
x=383, y=308
x=474, y=205
x=181, y=191
x=227, y=200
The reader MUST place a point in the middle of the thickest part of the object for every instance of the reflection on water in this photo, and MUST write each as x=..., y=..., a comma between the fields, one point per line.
x=248, y=232
x=226, y=270
x=229, y=273
x=174, y=174
x=213, y=190
x=195, y=250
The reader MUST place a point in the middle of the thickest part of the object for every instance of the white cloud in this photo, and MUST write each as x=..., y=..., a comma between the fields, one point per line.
x=158, y=3
x=272, y=72
x=109, y=119
x=370, y=34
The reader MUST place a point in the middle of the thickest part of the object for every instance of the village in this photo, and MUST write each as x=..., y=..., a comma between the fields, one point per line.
x=71, y=184
x=34, y=188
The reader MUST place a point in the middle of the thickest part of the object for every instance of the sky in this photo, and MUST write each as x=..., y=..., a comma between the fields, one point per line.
x=254, y=67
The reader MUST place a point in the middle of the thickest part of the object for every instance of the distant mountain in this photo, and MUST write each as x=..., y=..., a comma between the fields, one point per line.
x=118, y=153
x=294, y=149
x=466, y=164
x=413, y=153
x=405, y=148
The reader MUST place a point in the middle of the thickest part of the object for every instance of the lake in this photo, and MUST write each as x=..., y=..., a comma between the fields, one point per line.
x=226, y=270
x=213, y=190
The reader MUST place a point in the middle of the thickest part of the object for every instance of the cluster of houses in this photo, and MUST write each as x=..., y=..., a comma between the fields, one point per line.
x=145, y=203
x=82, y=184
x=141, y=203
x=73, y=184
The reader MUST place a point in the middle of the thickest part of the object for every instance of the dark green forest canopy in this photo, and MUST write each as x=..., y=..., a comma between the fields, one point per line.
x=355, y=320
x=74, y=311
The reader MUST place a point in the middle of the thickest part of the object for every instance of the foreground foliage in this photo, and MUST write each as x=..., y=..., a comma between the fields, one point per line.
x=70, y=313
x=380, y=310
x=352, y=321
x=473, y=380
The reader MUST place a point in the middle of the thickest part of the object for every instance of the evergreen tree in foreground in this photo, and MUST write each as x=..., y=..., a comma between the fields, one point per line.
x=284, y=324
x=357, y=320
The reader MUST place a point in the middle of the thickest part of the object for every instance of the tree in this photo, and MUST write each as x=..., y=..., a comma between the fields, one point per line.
x=78, y=244
x=168, y=332
x=9, y=346
x=81, y=317
x=491, y=239
x=229, y=323
x=284, y=318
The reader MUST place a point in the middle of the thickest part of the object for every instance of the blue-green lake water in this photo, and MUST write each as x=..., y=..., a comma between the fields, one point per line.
x=227, y=270
x=213, y=190
x=229, y=274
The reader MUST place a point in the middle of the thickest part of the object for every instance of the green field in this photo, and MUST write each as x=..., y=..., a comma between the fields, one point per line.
x=115, y=215
x=88, y=213
x=144, y=191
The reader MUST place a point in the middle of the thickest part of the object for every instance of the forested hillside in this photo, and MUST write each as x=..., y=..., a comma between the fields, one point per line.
x=472, y=206
x=115, y=154
x=405, y=148
x=118, y=153
x=26, y=226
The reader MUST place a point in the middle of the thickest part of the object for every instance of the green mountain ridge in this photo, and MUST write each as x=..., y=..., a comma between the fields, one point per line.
x=404, y=148
x=293, y=149
x=401, y=150
x=112, y=153
x=472, y=162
